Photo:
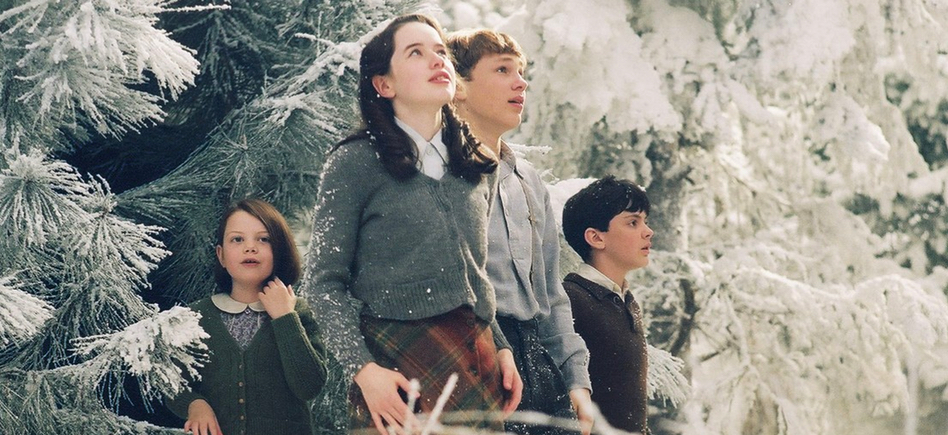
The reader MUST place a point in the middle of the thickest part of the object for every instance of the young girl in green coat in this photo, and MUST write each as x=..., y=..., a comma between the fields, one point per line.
x=266, y=356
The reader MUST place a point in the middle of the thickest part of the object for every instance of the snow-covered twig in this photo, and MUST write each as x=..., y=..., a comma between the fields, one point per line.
x=439, y=405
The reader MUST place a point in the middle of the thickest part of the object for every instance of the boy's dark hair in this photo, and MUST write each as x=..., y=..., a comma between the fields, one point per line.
x=286, y=258
x=595, y=205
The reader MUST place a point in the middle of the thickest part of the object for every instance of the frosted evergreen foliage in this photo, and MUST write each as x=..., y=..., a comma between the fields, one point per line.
x=794, y=154
x=21, y=314
x=74, y=62
x=665, y=378
x=38, y=199
x=112, y=246
x=88, y=308
x=163, y=351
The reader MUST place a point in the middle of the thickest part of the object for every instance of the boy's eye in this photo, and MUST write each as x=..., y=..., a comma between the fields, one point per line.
x=502, y=69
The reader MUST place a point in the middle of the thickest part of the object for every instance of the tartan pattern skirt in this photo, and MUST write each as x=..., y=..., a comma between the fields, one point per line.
x=429, y=350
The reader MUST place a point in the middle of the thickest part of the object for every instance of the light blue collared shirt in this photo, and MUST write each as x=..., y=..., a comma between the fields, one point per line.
x=523, y=265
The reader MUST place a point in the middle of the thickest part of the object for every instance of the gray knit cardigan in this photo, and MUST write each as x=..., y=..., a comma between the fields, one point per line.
x=399, y=250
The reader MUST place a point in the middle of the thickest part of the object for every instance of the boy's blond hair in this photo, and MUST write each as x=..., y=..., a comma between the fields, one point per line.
x=469, y=46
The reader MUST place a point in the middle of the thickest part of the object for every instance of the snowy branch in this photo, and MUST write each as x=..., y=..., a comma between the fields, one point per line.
x=163, y=352
x=38, y=198
x=21, y=314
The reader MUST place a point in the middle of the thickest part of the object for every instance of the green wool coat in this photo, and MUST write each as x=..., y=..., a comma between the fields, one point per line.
x=264, y=389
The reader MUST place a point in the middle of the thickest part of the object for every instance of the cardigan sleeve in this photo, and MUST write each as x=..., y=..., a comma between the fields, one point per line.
x=341, y=198
x=180, y=403
x=301, y=351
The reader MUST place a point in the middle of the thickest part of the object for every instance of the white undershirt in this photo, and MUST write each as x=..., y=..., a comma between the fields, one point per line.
x=594, y=275
x=432, y=155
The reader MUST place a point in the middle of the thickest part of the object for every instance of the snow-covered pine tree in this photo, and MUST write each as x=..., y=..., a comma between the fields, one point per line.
x=105, y=85
x=794, y=151
x=801, y=229
x=71, y=267
x=271, y=147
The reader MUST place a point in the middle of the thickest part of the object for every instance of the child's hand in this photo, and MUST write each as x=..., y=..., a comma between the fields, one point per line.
x=380, y=387
x=582, y=403
x=511, y=381
x=201, y=419
x=277, y=298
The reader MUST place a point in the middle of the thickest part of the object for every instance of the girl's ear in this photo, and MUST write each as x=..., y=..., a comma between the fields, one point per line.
x=594, y=238
x=220, y=255
x=383, y=87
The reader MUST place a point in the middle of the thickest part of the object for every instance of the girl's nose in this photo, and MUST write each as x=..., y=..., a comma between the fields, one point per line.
x=438, y=61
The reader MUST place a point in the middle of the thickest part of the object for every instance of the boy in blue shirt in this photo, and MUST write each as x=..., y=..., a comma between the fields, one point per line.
x=523, y=245
x=606, y=224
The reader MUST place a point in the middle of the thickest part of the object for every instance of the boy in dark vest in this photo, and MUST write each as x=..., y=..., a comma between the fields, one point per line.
x=606, y=224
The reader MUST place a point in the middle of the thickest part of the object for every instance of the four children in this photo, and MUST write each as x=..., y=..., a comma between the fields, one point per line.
x=434, y=252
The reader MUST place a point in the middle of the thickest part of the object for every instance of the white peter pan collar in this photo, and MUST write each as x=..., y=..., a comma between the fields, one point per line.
x=227, y=304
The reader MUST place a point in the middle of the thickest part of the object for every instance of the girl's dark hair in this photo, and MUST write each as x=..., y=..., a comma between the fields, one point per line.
x=286, y=259
x=466, y=156
x=595, y=205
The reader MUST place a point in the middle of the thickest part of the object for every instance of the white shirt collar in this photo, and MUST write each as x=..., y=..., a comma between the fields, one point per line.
x=433, y=165
x=594, y=275
x=227, y=304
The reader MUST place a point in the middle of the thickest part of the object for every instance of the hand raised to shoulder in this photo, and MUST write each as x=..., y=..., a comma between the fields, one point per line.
x=277, y=298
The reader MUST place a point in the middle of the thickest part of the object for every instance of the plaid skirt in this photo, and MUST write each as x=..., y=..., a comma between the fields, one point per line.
x=430, y=350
